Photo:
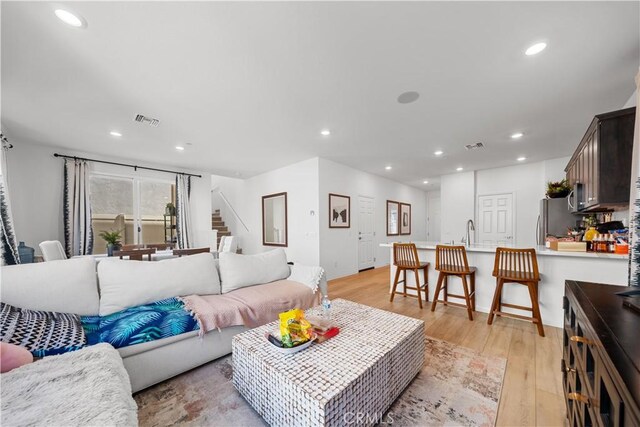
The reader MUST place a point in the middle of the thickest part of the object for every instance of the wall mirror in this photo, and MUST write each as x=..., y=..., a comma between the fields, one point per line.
x=274, y=219
x=393, y=212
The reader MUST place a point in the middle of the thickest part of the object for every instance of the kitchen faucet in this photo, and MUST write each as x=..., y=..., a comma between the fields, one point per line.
x=470, y=227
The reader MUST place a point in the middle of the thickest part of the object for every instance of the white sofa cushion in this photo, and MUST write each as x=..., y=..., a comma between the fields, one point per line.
x=66, y=286
x=130, y=283
x=238, y=271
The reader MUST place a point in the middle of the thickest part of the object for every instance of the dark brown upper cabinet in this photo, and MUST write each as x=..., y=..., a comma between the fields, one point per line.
x=600, y=169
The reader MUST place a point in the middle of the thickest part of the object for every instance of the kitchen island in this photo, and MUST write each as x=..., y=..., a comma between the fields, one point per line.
x=555, y=267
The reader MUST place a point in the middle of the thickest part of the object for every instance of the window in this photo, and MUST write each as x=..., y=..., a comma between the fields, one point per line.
x=137, y=207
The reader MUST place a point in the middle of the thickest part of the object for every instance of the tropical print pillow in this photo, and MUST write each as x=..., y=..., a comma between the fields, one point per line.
x=137, y=325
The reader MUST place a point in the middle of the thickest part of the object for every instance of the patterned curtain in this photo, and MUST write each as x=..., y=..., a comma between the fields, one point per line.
x=183, y=211
x=634, y=208
x=8, y=247
x=78, y=233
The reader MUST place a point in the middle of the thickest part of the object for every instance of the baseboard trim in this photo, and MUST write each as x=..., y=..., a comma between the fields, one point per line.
x=366, y=269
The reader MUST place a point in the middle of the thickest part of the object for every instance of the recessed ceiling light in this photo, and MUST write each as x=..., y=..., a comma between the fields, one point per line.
x=535, y=49
x=388, y=168
x=521, y=159
x=69, y=18
x=408, y=97
x=325, y=132
x=438, y=153
x=459, y=169
x=517, y=135
x=179, y=148
x=425, y=182
x=114, y=133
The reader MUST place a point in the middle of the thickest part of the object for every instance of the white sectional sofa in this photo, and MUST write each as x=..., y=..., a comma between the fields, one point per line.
x=74, y=286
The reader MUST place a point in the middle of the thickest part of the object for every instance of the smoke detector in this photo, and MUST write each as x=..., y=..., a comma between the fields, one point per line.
x=147, y=120
x=474, y=146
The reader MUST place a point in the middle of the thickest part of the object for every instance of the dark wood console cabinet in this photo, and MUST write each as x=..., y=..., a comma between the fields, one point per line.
x=601, y=356
x=600, y=169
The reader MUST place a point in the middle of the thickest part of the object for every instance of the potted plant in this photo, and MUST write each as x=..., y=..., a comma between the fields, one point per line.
x=113, y=240
x=170, y=209
x=558, y=189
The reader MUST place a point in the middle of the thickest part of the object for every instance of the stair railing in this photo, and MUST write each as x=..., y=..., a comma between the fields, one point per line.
x=230, y=206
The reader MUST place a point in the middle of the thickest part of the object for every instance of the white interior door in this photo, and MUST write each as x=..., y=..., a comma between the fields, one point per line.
x=366, y=233
x=495, y=220
x=433, y=220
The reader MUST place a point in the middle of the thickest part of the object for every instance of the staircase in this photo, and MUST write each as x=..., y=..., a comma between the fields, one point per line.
x=218, y=224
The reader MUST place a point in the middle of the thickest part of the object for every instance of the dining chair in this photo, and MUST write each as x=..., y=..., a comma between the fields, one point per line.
x=52, y=250
x=191, y=251
x=452, y=261
x=405, y=257
x=135, y=254
x=520, y=266
x=221, y=244
x=230, y=244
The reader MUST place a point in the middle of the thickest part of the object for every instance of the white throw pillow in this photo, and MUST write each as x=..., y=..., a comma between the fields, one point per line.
x=66, y=286
x=126, y=284
x=238, y=271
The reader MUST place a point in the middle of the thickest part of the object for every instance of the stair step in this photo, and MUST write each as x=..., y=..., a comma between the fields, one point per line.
x=218, y=223
x=220, y=228
x=224, y=233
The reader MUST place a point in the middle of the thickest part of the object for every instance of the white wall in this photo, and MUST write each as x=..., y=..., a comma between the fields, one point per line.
x=339, y=247
x=457, y=201
x=632, y=101
x=434, y=216
x=36, y=190
x=527, y=182
x=300, y=181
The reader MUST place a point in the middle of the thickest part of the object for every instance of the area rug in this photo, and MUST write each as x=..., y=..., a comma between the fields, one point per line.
x=457, y=386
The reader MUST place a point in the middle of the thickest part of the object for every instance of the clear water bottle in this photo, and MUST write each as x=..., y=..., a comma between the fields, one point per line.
x=326, y=307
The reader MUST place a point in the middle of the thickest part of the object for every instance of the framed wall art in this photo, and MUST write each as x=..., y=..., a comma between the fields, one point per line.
x=339, y=211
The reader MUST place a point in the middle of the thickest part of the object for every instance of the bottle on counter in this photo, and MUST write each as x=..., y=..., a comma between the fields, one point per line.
x=612, y=244
x=597, y=243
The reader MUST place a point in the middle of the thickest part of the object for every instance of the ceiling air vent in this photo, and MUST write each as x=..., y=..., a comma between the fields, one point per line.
x=474, y=146
x=147, y=120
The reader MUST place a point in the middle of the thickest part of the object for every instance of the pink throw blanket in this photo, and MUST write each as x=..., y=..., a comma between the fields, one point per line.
x=251, y=306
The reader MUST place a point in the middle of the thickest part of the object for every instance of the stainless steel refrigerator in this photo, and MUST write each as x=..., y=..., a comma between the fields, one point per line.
x=554, y=219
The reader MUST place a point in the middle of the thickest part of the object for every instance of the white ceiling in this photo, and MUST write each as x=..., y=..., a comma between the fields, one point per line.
x=251, y=85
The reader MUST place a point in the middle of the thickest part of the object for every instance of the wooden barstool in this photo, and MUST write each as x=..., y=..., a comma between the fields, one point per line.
x=405, y=257
x=517, y=266
x=452, y=261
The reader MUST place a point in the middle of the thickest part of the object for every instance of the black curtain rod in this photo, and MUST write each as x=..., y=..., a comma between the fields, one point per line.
x=136, y=167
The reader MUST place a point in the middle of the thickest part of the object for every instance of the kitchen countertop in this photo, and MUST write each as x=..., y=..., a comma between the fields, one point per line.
x=540, y=250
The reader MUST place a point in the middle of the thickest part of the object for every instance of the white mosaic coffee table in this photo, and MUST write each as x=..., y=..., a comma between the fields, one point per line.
x=354, y=376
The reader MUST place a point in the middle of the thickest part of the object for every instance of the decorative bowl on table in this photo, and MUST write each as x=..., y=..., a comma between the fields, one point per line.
x=291, y=350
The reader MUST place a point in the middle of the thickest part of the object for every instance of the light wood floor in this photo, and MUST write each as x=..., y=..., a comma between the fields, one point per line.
x=532, y=390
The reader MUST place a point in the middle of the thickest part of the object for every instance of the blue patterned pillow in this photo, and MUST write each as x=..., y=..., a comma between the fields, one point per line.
x=144, y=323
x=43, y=333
